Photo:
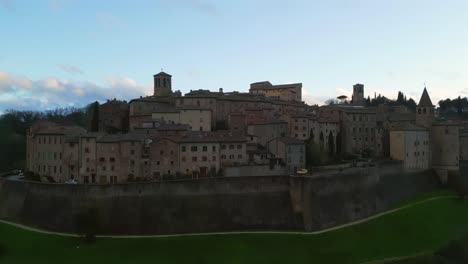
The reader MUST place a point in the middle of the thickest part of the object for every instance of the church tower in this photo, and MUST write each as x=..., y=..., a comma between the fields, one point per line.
x=425, y=111
x=358, y=94
x=162, y=84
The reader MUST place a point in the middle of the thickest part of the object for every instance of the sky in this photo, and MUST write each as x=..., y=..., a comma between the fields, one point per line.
x=59, y=53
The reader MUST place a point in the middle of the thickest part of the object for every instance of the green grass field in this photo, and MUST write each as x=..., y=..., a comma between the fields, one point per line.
x=422, y=228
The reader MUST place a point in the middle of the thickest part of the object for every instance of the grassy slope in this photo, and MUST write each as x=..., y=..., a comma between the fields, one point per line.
x=425, y=227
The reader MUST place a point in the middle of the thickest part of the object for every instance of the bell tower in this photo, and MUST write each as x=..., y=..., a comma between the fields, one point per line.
x=358, y=94
x=162, y=84
x=425, y=111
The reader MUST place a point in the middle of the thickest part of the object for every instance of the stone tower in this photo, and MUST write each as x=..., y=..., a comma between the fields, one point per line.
x=425, y=111
x=162, y=84
x=358, y=94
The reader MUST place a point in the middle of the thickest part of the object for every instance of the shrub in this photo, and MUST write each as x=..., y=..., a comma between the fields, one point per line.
x=87, y=224
x=455, y=251
x=50, y=179
x=455, y=182
x=31, y=176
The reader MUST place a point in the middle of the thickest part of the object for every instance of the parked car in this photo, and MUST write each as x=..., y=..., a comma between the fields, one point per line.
x=302, y=171
x=71, y=181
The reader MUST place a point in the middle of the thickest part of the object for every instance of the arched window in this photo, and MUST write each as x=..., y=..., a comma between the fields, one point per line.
x=419, y=111
x=424, y=111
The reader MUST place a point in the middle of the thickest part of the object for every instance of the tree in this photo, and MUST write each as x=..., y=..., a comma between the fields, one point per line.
x=455, y=182
x=331, y=145
x=459, y=105
x=88, y=224
x=400, y=98
x=343, y=99
x=93, y=113
x=313, y=153
x=331, y=101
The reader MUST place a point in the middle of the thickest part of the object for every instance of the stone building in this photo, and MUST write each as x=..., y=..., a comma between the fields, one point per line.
x=425, y=111
x=162, y=84
x=464, y=146
x=196, y=118
x=88, y=157
x=142, y=108
x=134, y=157
x=237, y=122
x=360, y=131
x=113, y=116
x=268, y=130
x=203, y=154
x=445, y=145
x=411, y=145
x=47, y=150
x=164, y=158
x=358, y=94
x=108, y=168
x=290, y=150
x=285, y=92
x=299, y=126
x=71, y=157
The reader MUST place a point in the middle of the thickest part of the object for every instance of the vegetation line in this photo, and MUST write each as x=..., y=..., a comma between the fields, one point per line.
x=237, y=232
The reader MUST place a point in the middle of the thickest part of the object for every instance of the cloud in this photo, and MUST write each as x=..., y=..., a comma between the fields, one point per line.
x=342, y=91
x=8, y=83
x=5, y=81
x=312, y=100
x=48, y=93
x=71, y=69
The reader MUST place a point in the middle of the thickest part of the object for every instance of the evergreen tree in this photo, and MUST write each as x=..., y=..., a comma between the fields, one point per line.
x=93, y=112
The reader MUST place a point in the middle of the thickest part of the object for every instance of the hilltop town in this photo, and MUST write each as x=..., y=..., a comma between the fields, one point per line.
x=267, y=131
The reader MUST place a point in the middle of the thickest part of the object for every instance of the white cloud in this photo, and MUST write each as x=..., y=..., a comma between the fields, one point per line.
x=49, y=93
x=78, y=91
x=23, y=82
x=52, y=84
x=312, y=100
x=5, y=81
x=341, y=91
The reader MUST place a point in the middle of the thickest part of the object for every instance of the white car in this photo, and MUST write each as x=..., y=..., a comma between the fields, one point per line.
x=71, y=181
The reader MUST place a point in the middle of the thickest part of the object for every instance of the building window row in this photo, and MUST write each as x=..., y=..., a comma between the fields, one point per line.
x=48, y=140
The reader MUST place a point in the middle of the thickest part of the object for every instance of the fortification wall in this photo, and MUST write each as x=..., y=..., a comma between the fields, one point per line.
x=216, y=204
x=464, y=173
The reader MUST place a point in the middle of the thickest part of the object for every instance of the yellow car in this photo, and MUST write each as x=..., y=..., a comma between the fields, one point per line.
x=302, y=171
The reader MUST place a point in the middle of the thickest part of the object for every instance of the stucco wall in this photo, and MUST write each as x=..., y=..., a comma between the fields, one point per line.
x=216, y=204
